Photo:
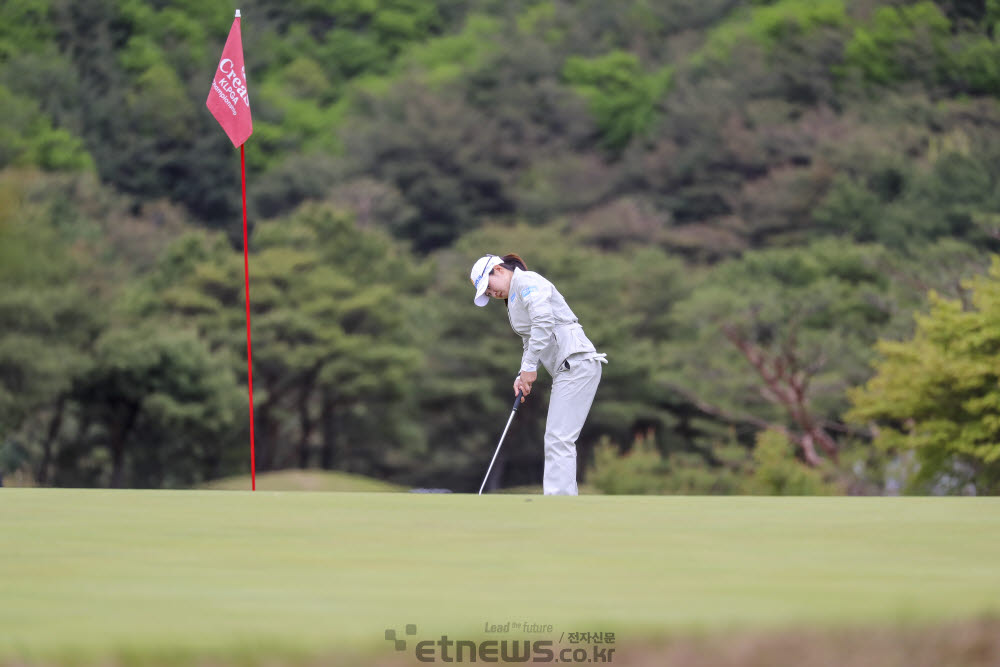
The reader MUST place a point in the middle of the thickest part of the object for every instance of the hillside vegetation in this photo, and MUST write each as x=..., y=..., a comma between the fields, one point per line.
x=738, y=199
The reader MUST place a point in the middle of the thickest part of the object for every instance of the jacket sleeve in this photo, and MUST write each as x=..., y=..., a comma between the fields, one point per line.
x=537, y=299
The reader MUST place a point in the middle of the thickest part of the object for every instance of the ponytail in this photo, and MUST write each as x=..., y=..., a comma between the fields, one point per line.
x=512, y=261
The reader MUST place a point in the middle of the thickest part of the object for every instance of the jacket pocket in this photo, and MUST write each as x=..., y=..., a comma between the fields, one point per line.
x=580, y=341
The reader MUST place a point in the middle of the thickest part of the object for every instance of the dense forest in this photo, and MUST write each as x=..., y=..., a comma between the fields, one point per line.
x=777, y=219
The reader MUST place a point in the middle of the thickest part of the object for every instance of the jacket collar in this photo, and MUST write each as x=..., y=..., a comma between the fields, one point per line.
x=512, y=296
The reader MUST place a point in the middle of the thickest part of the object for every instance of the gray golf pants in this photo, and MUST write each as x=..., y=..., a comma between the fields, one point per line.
x=573, y=389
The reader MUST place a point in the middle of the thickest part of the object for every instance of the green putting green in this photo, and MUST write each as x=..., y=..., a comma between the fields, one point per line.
x=93, y=573
x=303, y=480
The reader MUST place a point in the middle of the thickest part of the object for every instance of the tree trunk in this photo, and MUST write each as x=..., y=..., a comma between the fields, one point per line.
x=267, y=433
x=786, y=383
x=305, y=424
x=328, y=425
x=42, y=475
x=120, y=431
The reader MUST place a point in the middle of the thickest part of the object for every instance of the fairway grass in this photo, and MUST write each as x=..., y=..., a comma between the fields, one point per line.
x=304, y=480
x=91, y=573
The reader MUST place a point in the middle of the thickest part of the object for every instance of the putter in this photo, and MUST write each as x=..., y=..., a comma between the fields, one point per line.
x=517, y=404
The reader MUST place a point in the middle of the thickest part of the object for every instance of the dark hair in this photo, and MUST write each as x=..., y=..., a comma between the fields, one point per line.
x=512, y=261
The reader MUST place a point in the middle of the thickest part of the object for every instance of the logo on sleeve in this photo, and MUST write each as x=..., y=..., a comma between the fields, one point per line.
x=528, y=291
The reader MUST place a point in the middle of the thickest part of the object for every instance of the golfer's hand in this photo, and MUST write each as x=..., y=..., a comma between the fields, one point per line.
x=524, y=381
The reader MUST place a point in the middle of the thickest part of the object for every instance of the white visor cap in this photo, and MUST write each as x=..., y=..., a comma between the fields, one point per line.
x=480, y=277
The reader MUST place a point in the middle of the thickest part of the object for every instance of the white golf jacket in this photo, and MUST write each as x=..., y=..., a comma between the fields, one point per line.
x=540, y=316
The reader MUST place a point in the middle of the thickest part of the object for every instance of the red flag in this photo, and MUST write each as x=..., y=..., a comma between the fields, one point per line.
x=228, y=100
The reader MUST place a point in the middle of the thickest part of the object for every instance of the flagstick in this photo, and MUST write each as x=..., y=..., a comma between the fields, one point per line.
x=246, y=281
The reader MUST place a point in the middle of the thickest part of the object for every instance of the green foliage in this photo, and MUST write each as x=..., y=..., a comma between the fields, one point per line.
x=622, y=98
x=902, y=43
x=851, y=207
x=776, y=472
x=641, y=470
x=953, y=46
x=901, y=204
x=408, y=141
x=594, y=27
x=160, y=405
x=937, y=392
x=972, y=66
x=160, y=103
x=447, y=57
x=333, y=358
x=298, y=119
x=812, y=311
x=769, y=24
x=398, y=22
x=140, y=71
x=24, y=26
x=689, y=173
x=644, y=470
x=43, y=346
x=28, y=139
x=536, y=18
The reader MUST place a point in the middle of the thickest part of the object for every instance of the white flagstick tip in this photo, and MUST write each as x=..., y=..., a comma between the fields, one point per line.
x=237, y=13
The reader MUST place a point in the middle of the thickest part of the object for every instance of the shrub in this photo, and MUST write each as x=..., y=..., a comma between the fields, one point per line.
x=644, y=470
x=778, y=473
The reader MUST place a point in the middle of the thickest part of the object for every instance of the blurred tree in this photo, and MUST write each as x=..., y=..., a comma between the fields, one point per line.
x=46, y=334
x=902, y=43
x=23, y=27
x=332, y=354
x=27, y=138
x=769, y=25
x=160, y=404
x=48, y=321
x=734, y=128
x=936, y=393
x=622, y=97
x=778, y=335
x=456, y=148
x=448, y=161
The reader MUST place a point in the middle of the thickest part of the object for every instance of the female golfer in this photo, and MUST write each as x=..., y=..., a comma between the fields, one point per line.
x=553, y=336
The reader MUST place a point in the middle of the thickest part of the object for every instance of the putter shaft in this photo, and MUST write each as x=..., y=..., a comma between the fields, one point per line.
x=517, y=404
